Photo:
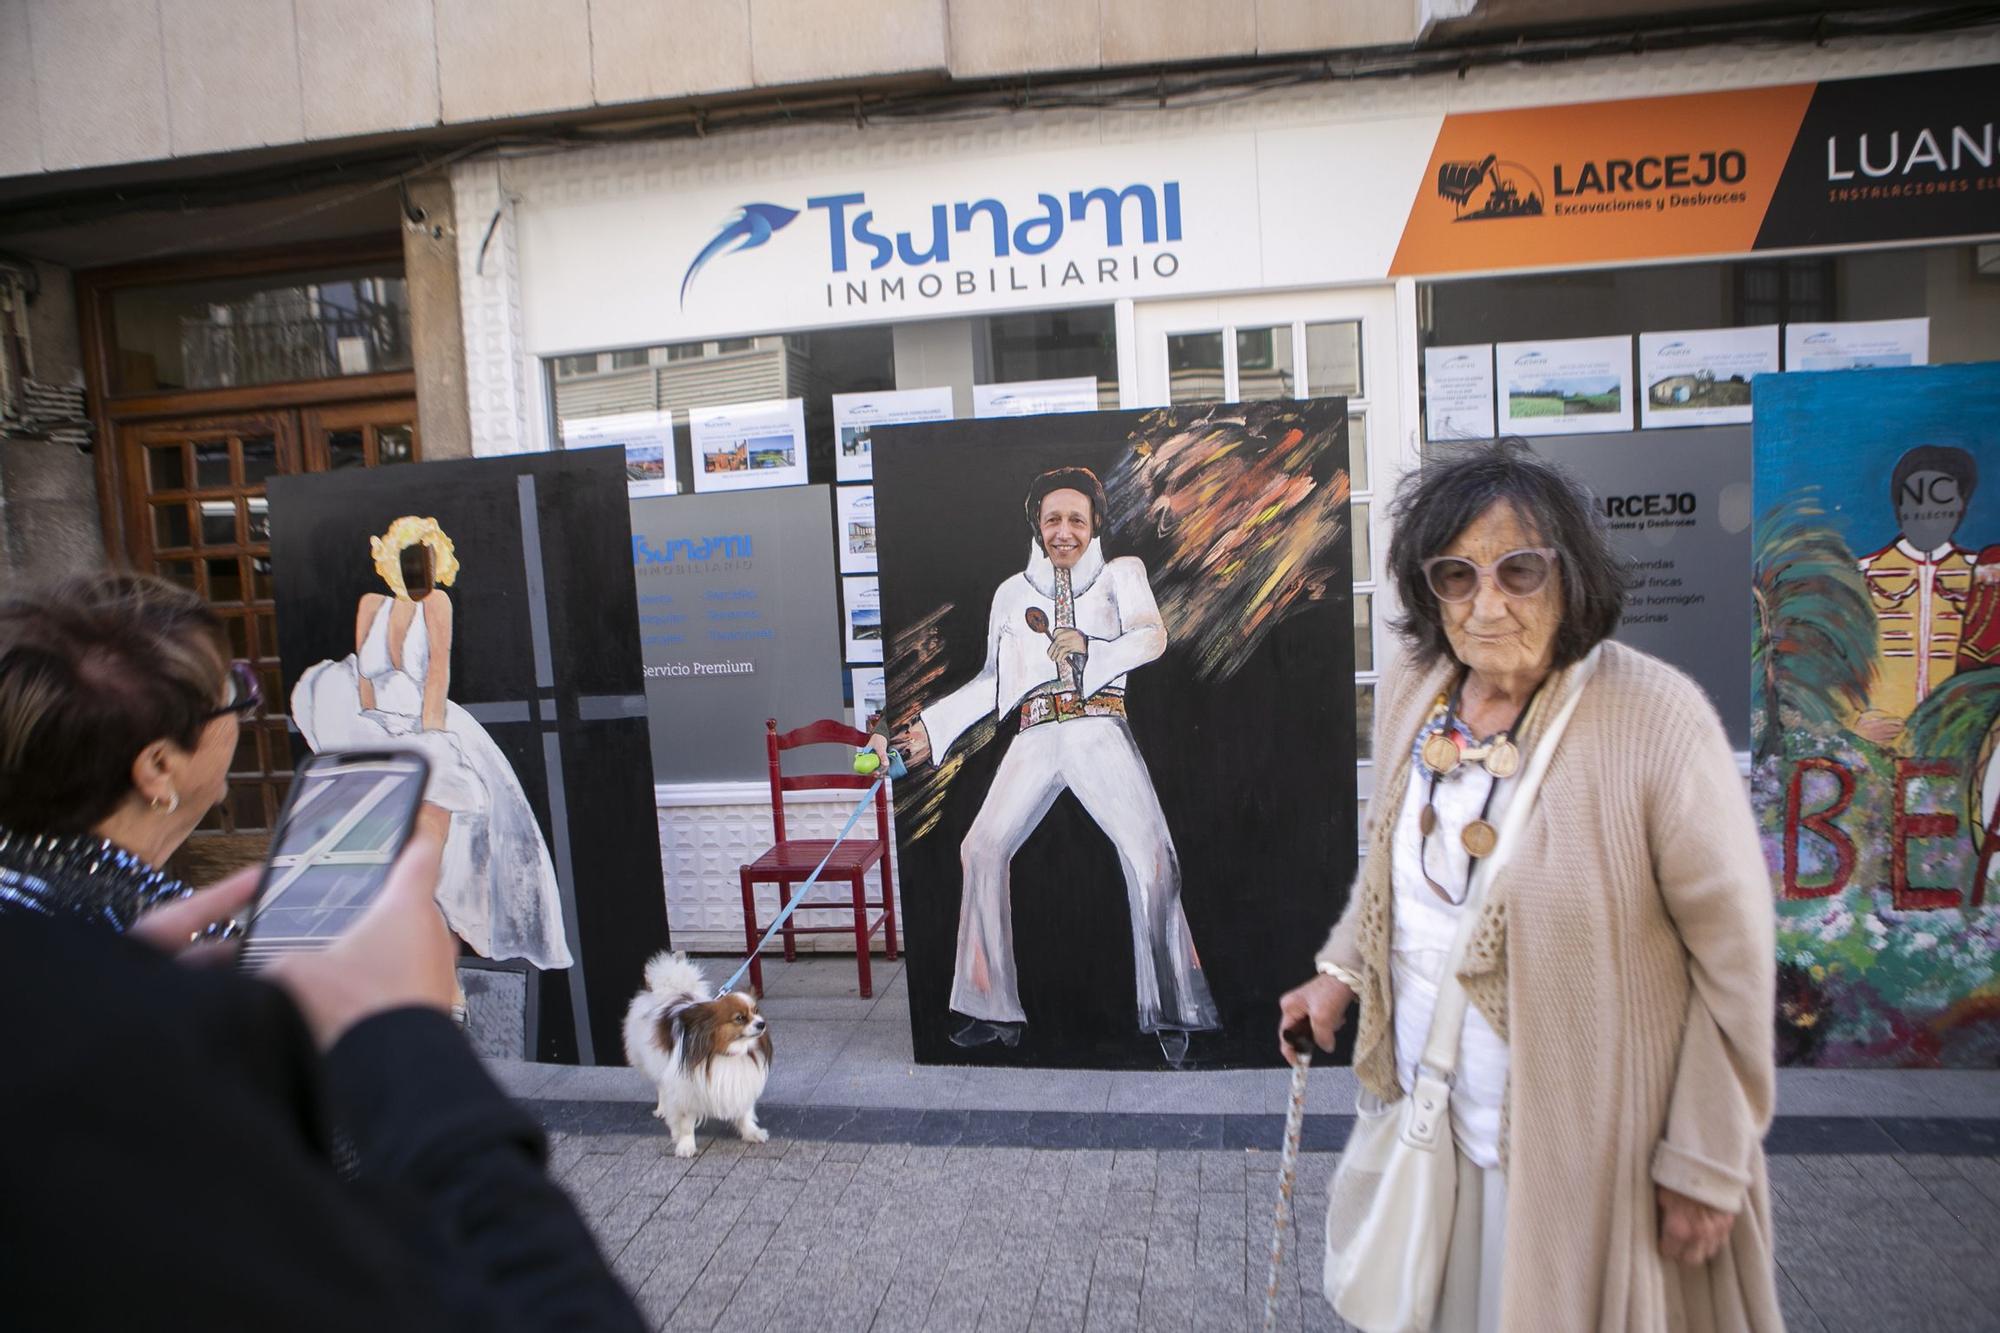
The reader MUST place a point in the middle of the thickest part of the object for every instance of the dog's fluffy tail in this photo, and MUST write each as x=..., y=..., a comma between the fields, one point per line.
x=673, y=974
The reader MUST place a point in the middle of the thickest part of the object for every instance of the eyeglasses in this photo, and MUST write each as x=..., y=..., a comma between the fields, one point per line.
x=1521, y=573
x=246, y=693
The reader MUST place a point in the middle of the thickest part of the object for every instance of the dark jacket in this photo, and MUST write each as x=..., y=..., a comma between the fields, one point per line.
x=166, y=1161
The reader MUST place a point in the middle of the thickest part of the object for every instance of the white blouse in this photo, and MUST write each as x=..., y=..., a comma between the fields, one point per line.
x=1423, y=927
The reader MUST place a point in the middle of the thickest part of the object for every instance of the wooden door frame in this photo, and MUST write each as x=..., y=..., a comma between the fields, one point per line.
x=95, y=290
x=282, y=426
x=315, y=422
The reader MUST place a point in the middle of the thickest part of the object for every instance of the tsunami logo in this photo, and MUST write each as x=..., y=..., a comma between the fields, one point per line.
x=752, y=225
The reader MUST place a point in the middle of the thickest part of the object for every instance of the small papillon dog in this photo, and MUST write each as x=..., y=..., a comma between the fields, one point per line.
x=710, y=1057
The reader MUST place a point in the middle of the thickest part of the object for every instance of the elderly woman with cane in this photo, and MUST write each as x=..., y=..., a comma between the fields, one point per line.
x=1599, y=1074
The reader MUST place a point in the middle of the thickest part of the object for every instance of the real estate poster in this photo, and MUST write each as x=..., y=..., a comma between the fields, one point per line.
x=1701, y=377
x=746, y=446
x=1871, y=344
x=1565, y=386
x=861, y=618
x=735, y=627
x=871, y=693
x=647, y=439
x=854, y=528
x=1678, y=512
x=1458, y=392
x=855, y=415
x=1027, y=398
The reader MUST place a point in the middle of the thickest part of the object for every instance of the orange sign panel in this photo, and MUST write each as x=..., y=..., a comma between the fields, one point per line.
x=1642, y=179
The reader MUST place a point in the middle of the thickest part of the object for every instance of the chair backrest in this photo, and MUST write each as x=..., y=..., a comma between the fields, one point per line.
x=826, y=731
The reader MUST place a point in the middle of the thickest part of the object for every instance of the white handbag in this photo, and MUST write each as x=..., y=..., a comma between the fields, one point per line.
x=1389, y=1212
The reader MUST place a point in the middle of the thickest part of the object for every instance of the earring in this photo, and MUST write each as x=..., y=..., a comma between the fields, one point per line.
x=173, y=801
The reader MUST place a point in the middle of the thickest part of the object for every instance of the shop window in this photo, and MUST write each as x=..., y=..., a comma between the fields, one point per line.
x=675, y=377
x=1784, y=291
x=1864, y=285
x=270, y=329
x=1264, y=367
x=1054, y=345
x=1194, y=368
x=1333, y=358
x=1364, y=631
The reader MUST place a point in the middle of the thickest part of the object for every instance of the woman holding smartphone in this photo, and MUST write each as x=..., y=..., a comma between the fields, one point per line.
x=166, y=1146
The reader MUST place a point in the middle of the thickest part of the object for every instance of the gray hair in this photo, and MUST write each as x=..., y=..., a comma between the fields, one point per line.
x=1439, y=500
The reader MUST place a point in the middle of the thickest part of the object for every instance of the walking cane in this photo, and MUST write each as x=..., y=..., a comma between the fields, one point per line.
x=1288, y=1168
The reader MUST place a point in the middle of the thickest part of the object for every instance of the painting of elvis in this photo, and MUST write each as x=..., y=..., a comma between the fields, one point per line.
x=1060, y=640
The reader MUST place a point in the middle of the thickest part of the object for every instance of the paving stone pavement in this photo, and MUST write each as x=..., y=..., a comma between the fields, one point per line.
x=855, y=1236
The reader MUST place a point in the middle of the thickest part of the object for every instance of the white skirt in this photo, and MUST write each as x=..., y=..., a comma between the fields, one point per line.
x=497, y=888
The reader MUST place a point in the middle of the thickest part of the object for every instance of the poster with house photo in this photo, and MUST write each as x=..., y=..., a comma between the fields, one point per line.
x=871, y=692
x=1701, y=377
x=1028, y=398
x=854, y=528
x=1863, y=344
x=748, y=446
x=647, y=439
x=861, y=618
x=1565, y=386
x=855, y=416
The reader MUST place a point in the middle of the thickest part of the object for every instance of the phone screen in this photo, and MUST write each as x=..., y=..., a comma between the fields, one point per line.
x=345, y=822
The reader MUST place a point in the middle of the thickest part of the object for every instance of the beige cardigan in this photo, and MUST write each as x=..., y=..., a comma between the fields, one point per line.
x=1625, y=953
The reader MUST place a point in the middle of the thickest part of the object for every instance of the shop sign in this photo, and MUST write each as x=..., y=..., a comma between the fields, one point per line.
x=1084, y=227
x=1902, y=157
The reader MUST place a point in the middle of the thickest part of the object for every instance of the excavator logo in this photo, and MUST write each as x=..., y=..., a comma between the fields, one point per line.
x=1511, y=190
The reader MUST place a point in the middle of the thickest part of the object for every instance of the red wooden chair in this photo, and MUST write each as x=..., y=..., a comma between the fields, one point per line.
x=791, y=861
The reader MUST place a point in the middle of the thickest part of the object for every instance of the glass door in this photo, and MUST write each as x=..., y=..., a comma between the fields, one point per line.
x=359, y=435
x=199, y=519
x=1321, y=344
x=196, y=514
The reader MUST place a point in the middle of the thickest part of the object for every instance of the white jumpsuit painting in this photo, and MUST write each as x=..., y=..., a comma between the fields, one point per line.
x=1060, y=640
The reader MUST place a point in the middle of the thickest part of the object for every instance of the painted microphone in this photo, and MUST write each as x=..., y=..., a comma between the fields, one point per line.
x=1038, y=621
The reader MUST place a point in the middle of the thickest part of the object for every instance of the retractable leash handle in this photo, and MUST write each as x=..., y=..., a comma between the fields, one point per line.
x=865, y=762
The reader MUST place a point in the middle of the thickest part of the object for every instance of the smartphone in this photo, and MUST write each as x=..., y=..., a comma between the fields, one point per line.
x=347, y=819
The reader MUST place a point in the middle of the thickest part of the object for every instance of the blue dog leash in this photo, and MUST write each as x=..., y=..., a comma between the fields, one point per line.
x=896, y=769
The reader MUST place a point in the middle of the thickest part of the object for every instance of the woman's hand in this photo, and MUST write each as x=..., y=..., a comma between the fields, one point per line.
x=1690, y=1233
x=397, y=956
x=1320, y=1004
x=170, y=927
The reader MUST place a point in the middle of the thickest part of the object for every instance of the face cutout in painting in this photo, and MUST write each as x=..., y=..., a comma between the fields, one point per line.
x=1919, y=585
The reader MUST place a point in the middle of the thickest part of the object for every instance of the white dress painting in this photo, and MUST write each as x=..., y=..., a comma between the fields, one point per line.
x=498, y=886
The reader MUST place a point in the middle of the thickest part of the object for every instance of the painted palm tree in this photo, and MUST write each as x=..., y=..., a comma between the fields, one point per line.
x=1960, y=722
x=1813, y=652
